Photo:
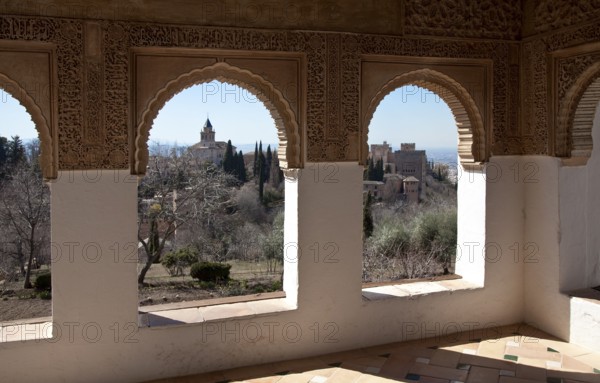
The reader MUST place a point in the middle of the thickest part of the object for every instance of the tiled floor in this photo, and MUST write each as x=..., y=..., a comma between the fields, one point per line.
x=512, y=354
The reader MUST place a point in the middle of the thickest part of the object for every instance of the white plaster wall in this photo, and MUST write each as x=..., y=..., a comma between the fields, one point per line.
x=580, y=220
x=562, y=220
x=545, y=307
x=331, y=313
x=580, y=242
x=470, y=252
x=593, y=208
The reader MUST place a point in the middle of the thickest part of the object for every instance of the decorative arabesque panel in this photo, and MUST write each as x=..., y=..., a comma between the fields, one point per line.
x=94, y=73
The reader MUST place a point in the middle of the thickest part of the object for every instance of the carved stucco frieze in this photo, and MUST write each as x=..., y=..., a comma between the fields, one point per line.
x=464, y=18
x=576, y=93
x=93, y=136
x=534, y=123
x=551, y=14
x=541, y=131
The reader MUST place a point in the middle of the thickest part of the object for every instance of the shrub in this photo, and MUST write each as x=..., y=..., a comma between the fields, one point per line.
x=46, y=295
x=176, y=261
x=210, y=271
x=272, y=196
x=436, y=232
x=43, y=282
x=207, y=285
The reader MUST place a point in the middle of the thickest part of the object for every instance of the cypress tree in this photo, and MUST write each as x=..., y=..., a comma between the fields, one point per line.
x=274, y=177
x=254, y=172
x=261, y=174
x=3, y=155
x=379, y=170
x=241, y=167
x=228, y=159
x=371, y=171
x=234, y=165
x=268, y=161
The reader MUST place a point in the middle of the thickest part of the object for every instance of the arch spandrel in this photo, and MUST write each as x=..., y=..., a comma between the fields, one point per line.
x=576, y=116
x=469, y=122
x=288, y=130
x=48, y=158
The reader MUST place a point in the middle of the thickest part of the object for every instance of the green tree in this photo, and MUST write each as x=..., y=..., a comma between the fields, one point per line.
x=261, y=174
x=241, y=167
x=3, y=156
x=268, y=160
x=370, y=170
x=255, y=165
x=379, y=172
x=16, y=152
x=275, y=177
x=435, y=233
x=229, y=159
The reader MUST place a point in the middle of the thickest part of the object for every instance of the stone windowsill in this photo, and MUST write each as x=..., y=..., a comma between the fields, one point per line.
x=414, y=289
x=590, y=295
x=183, y=313
x=172, y=314
x=22, y=330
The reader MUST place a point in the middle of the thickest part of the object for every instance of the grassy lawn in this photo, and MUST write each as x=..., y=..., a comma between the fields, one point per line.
x=246, y=278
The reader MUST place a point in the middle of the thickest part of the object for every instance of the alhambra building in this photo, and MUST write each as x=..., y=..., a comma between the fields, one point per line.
x=521, y=78
x=408, y=162
x=208, y=149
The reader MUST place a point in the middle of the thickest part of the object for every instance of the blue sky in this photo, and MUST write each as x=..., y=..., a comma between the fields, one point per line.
x=413, y=114
x=14, y=119
x=409, y=114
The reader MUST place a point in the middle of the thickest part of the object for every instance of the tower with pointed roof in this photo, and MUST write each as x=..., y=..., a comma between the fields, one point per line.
x=208, y=149
x=207, y=135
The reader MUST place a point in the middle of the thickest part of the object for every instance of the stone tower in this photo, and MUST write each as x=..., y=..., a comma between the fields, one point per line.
x=207, y=136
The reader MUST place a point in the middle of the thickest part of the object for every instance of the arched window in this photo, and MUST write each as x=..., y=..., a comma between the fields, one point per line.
x=410, y=202
x=25, y=262
x=211, y=203
x=421, y=244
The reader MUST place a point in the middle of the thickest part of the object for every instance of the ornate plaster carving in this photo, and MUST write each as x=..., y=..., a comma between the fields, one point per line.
x=471, y=131
x=288, y=130
x=332, y=124
x=576, y=114
x=551, y=14
x=464, y=18
x=544, y=80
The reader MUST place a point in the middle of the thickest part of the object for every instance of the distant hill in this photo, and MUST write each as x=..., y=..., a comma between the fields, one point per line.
x=249, y=148
x=444, y=155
